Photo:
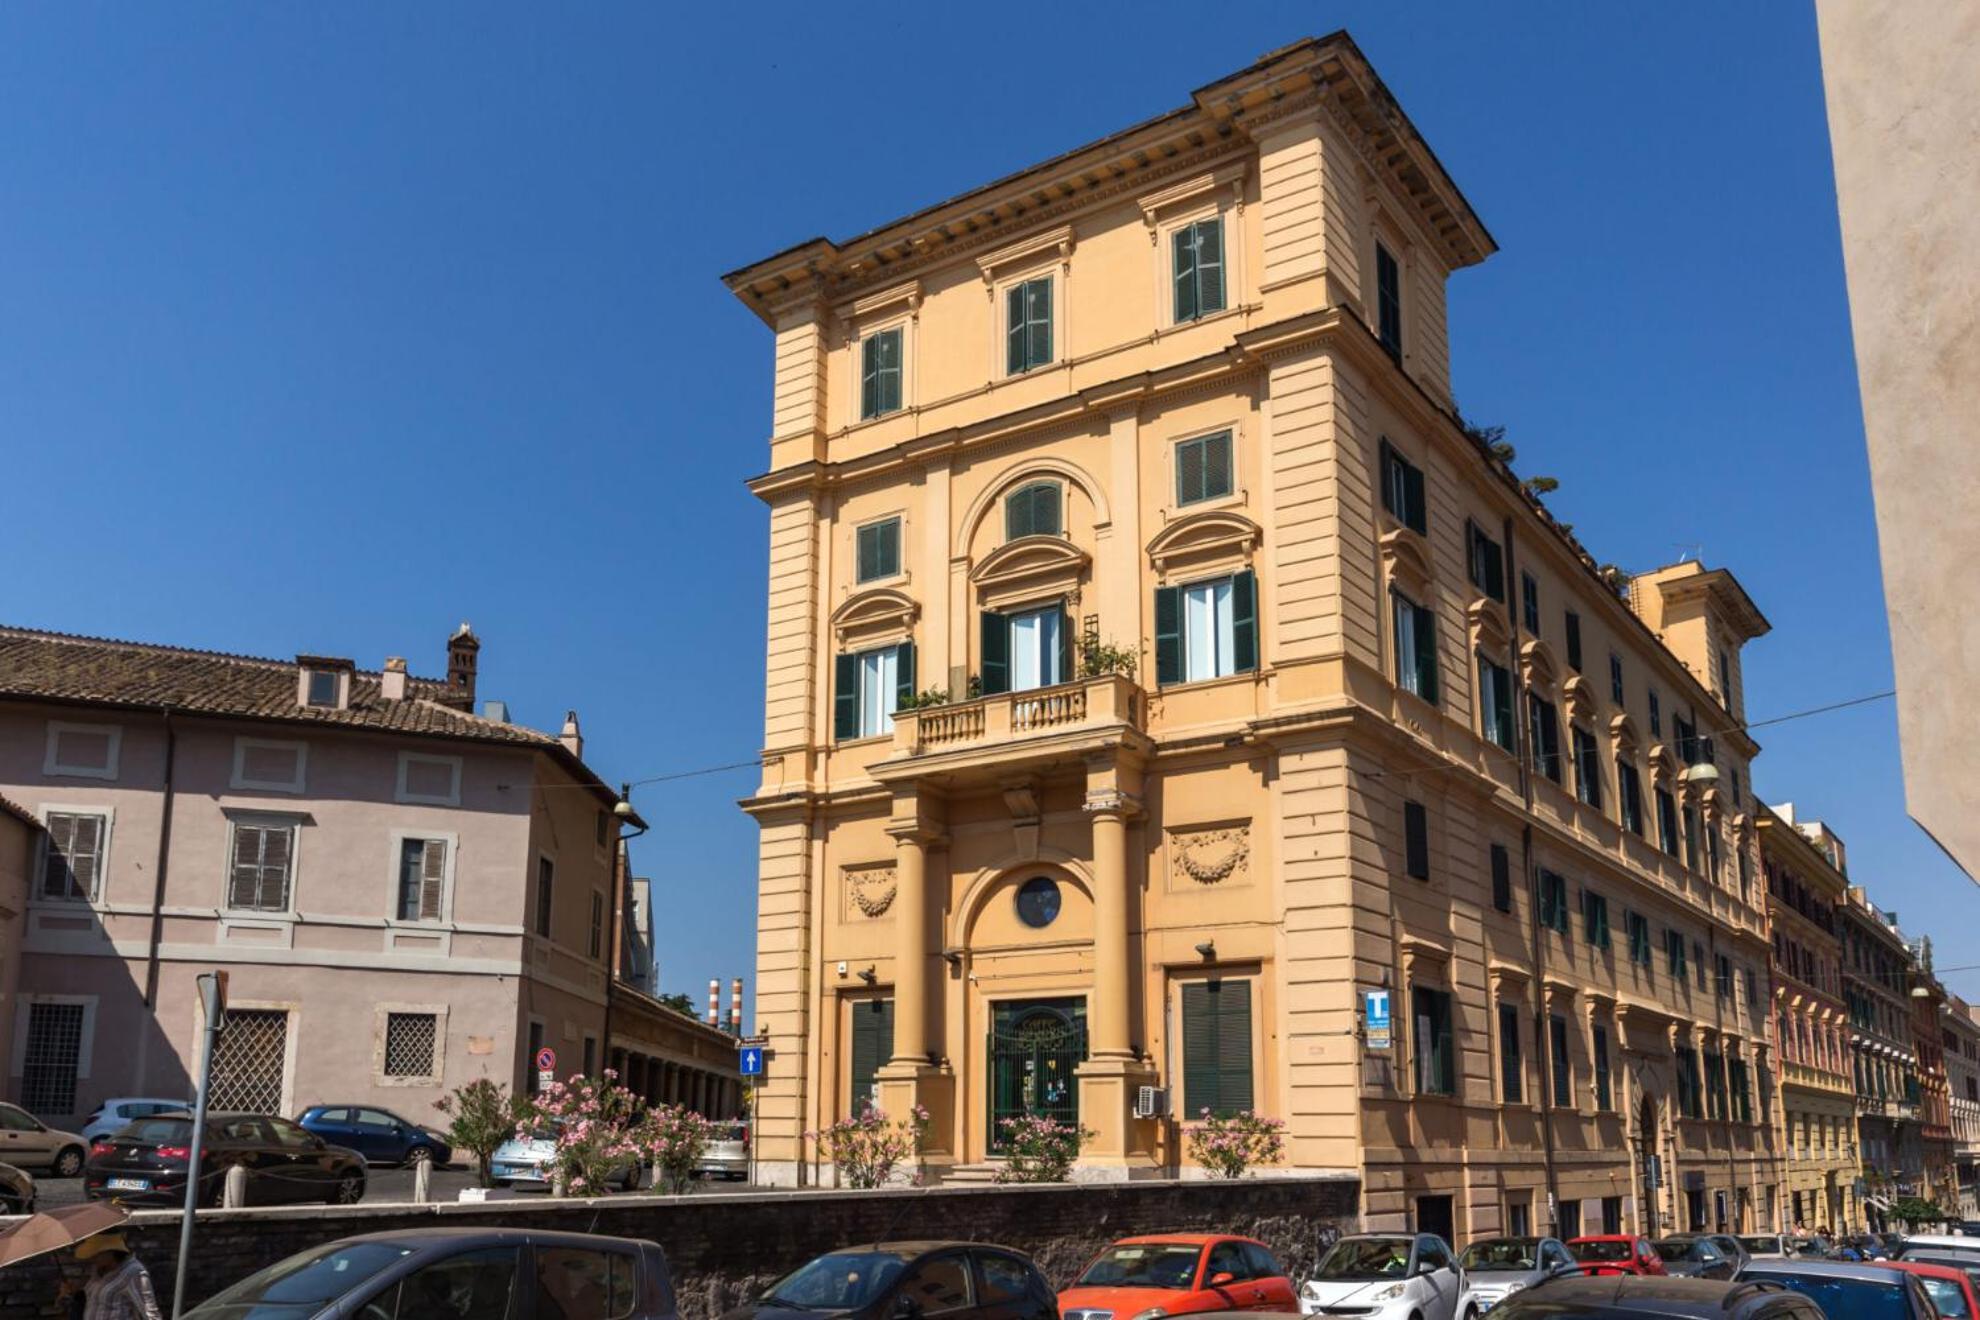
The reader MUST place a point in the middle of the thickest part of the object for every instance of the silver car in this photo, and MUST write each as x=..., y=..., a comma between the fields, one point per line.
x=28, y=1143
x=727, y=1152
x=524, y=1162
x=1501, y=1266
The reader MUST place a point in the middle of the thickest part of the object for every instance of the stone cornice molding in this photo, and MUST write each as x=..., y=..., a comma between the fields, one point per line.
x=1580, y=696
x=1214, y=533
x=1537, y=668
x=908, y=291
x=1029, y=566
x=1058, y=239
x=1192, y=189
x=1112, y=802
x=1622, y=729
x=881, y=612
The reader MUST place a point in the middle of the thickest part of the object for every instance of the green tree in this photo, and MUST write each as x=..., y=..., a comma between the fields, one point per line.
x=680, y=1003
x=1915, y=1210
x=481, y=1116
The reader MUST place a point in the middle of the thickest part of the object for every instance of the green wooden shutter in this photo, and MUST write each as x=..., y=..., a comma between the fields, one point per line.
x=996, y=659
x=1066, y=671
x=1416, y=840
x=903, y=674
x=1185, y=279
x=1426, y=651
x=1217, y=465
x=869, y=377
x=1413, y=513
x=1014, y=331
x=1244, y=622
x=1168, y=635
x=1039, y=345
x=845, y=697
x=872, y=1046
x=1216, y=1047
x=1209, y=266
x=887, y=373
x=1045, y=519
x=1234, y=1046
x=1201, y=1089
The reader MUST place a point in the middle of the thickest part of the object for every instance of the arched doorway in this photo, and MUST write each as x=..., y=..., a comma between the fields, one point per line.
x=1648, y=1165
x=1035, y=1046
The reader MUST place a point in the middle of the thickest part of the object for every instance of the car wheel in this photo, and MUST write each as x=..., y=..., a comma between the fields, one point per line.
x=69, y=1163
x=349, y=1190
x=418, y=1153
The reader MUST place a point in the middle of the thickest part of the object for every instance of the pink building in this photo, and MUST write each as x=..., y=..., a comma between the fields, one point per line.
x=407, y=895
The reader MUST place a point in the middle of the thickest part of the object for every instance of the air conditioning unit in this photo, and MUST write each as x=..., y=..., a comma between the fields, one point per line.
x=1151, y=1102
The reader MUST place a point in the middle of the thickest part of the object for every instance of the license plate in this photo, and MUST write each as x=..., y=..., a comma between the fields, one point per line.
x=128, y=1184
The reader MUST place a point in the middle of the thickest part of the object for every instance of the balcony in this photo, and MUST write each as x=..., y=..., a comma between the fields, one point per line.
x=1016, y=730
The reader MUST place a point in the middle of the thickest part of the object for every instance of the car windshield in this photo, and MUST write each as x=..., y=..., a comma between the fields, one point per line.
x=1500, y=1254
x=302, y=1284
x=1848, y=1299
x=1759, y=1244
x=1670, y=1250
x=162, y=1131
x=1948, y=1297
x=1366, y=1258
x=1143, y=1265
x=841, y=1281
x=1604, y=1249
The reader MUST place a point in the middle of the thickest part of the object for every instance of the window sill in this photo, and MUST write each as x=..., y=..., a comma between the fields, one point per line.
x=1200, y=684
x=864, y=739
x=1173, y=326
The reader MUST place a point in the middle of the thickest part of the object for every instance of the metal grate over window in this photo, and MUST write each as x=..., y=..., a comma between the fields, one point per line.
x=410, y=1039
x=48, y=1069
x=249, y=1059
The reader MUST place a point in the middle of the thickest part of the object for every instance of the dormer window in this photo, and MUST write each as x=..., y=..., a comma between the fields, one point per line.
x=1033, y=510
x=323, y=688
x=323, y=683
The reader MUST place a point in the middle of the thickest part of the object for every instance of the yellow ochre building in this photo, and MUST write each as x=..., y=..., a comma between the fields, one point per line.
x=1157, y=667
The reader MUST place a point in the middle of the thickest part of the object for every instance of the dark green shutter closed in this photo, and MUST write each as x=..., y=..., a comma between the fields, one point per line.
x=1014, y=336
x=1414, y=514
x=1216, y=1047
x=845, y=697
x=869, y=377
x=1039, y=346
x=872, y=1046
x=1185, y=250
x=1065, y=643
x=996, y=635
x=1209, y=266
x=1168, y=636
x=903, y=674
x=1244, y=622
x=1426, y=652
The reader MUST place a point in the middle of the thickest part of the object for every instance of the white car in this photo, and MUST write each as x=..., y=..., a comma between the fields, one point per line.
x=522, y=1162
x=115, y=1115
x=1389, y=1276
x=727, y=1152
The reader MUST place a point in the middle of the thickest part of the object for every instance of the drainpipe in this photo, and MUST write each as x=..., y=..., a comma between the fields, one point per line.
x=1542, y=1037
x=158, y=870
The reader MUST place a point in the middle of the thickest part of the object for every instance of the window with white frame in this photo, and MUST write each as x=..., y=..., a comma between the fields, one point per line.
x=869, y=686
x=1198, y=251
x=1028, y=325
x=83, y=751
x=880, y=373
x=1206, y=630
x=270, y=765
x=261, y=870
x=73, y=856
x=1203, y=468
x=1416, y=647
x=878, y=550
x=320, y=688
x=422, y=879
x=1025, y=649
x=432, y=780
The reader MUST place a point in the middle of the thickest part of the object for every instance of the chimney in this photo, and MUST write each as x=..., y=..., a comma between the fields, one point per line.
x=735, y=1007
x=572, y=739
x=462, y=649
x=714, y=1001
x=392, y=682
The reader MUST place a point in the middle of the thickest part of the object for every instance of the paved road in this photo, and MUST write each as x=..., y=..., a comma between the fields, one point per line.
x=383, y=1184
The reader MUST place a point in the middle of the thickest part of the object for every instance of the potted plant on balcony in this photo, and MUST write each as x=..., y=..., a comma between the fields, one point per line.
x=1097, y=659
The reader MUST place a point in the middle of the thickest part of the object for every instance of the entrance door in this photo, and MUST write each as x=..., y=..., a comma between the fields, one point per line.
x=1434, y=1215
x=1035, y=1044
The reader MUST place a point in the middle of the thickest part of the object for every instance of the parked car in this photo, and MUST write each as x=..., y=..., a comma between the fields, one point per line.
x=901, y=1280
x=28, y=1143
x=727, y=1153
x=1847, y=1290
x=1388, y=1277
x=1950, y=1287
x=1178, y=1274
x=379, y=1135
x=1928, y=1243
x=524, y=1162
x=16, y=1191
x=1770, y=1246
x=113, y=1114
x=1734, y=1249
x=1496, y=1268
x=148, y=1162
x=457, y=1272
x=1694, y=1257
x=1615, y=1253
x=1630, y=1297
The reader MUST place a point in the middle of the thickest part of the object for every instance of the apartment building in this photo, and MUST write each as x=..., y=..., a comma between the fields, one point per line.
x=1962, y=1048
x=406, y=894
x=1162, y=682
x=1811, y=1026
x=1877, y=983
x=1929, y=1011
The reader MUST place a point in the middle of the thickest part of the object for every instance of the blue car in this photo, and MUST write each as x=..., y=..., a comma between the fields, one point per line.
x=379, y=1135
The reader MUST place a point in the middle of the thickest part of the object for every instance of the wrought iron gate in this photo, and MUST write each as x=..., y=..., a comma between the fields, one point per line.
x=1034, y=1047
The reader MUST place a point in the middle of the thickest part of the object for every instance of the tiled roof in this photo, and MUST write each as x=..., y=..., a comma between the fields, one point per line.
x=19, y=812
x=48, y=666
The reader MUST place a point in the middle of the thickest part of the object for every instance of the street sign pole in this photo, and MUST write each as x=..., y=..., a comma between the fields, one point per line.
x=750, y=1063
x=213, y=999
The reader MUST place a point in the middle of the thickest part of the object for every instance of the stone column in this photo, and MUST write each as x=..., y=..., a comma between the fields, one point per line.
x=917, y=1074
x=1122, y=1145
x=1107, y=1010
x=910, y=946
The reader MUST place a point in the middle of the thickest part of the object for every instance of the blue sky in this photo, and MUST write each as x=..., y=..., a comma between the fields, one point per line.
x=324, y=328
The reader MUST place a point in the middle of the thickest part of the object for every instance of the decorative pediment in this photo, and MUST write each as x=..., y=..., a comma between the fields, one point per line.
x=1536, y=664
x=1488, y=624
x=1711, y=800
x=1663, y=766
x=1203, y=539
x=875, y=616
x=1402, y=555
x=1055, y=241
x=1623, y=729
x=1580, y=696
x=1030, y=566
x=1193, y=189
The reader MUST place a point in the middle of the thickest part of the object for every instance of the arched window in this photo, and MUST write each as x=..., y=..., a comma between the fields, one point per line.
x=1033, y=510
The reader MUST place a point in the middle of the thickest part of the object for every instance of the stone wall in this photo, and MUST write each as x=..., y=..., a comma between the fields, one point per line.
x=725, y=1248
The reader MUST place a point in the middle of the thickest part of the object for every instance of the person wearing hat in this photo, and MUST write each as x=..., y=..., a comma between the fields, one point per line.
x=118, y=1287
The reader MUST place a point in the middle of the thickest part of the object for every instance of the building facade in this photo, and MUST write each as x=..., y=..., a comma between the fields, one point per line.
x=1157, y=670
x=1962, y=1046
x=406, y=895
x=1877, y=992
x=1811, y=1027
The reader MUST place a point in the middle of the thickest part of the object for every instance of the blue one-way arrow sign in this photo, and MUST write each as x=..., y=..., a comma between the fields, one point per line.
x=751, y=1060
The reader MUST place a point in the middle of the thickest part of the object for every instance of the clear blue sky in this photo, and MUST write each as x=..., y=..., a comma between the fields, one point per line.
x=325, y=327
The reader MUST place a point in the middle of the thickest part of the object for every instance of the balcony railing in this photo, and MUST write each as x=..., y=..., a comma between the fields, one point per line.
x=1015, y=717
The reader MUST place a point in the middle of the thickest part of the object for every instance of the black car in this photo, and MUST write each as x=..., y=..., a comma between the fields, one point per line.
x=16, y=1191
x=1626, y=1296
x=1694, y=1256
x=473, y=1272
x=902, y=1280
x=146, y=1162
x=1847, y=1290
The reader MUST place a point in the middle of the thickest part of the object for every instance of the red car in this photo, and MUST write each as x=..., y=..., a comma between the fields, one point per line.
x=1615, y=1253
x=1176, y=1274
x=1950, y=1288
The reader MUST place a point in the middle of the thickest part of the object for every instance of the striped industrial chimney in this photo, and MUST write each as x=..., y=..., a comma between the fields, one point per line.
x=714, y=1001
x=735, y=1007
